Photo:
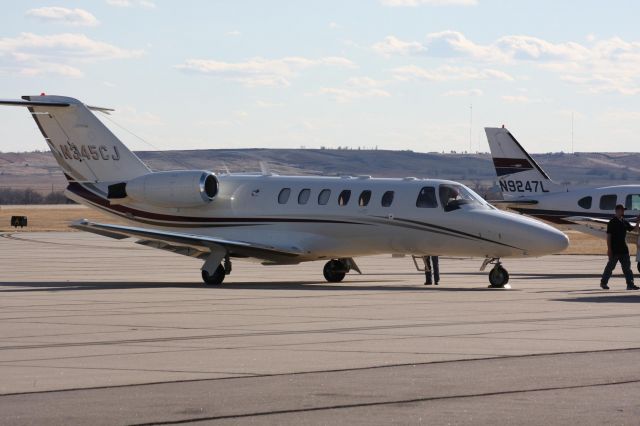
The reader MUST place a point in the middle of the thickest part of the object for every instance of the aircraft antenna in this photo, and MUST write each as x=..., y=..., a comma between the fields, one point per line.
x=157, y=149
x=264, y=168
x=226, y=168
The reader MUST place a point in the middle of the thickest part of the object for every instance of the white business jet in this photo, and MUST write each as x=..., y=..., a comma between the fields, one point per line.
x=527, y=189
x=277, y=220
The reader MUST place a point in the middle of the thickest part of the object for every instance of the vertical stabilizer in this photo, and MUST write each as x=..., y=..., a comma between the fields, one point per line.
x=517, y=172
x=83, y=146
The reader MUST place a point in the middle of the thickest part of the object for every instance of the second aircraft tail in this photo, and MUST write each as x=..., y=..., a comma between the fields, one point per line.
x=518, y=173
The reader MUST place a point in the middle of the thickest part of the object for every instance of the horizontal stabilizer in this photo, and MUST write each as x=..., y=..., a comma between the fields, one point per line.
x=20, y=102
x=27, y=103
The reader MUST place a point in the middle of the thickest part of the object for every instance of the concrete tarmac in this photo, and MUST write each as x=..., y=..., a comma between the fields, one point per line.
x=100, y=331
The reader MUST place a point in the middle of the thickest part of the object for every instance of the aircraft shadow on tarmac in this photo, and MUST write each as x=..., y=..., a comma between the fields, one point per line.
x=619, y=298
x=382, y=285
x=533, y=276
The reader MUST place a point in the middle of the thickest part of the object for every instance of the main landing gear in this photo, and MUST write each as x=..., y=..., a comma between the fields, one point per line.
x=215, y=277
x=498, y=276
x=335, y=270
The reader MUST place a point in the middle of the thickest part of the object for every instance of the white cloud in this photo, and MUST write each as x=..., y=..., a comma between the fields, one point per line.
x=32, y=54
x=414, y=3
x=394, y=46
x=454, y=43
x=449, y=73
x=234, y=33
x=267, y=104
x=356, y=88
x=505, y=49
x=620, y=115
x=566, y=113
x=608, y=65
x=76, y=17
x=619, y=81
x=521, y=47
x=519, y=99
x=465, y=93
x=333, y=25
x=260, y=71
x=147, y=4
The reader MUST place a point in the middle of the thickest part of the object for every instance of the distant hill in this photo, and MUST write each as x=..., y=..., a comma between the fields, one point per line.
x=39, y=171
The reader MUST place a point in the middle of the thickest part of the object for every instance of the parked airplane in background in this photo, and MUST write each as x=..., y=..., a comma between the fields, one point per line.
x=275, y=219
x=527, y=189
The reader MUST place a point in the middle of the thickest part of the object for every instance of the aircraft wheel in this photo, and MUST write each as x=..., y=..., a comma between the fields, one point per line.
x=214, y=279
x=498, y=277
x=333, y=271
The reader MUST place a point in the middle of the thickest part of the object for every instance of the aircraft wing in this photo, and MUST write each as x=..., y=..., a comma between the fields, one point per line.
x=598, y=227
x=191, y=244
x=514, y=202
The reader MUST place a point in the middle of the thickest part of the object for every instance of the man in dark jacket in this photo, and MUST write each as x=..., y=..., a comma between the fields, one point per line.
x=617, y=249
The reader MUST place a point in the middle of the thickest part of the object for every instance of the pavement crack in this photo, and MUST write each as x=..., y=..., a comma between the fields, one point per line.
x=383, y=403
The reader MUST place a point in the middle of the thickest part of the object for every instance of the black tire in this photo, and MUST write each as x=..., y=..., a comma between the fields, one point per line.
x=333, y=271
x=498, y=277
x=638, y=265
x=214, y=279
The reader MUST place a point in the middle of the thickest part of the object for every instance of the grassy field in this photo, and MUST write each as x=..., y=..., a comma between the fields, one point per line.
x=58, y=217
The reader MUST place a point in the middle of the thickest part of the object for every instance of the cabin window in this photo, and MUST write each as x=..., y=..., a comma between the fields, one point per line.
x=427, y=198
x=343, y=198
x=387, y=199
x=632, y=202
x=283, y=197
x=303, y=196
x=608, y=202
x=323, y=197
x=585, y=202
x=365, y=197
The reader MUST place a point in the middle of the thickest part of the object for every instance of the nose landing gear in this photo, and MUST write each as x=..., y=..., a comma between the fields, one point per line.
x=498, y=276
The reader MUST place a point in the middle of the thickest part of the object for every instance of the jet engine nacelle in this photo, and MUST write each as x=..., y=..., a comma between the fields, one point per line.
x=181, y=188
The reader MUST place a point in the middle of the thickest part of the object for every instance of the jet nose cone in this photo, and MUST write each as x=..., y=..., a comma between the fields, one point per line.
x=557, y=241
x=545, y=239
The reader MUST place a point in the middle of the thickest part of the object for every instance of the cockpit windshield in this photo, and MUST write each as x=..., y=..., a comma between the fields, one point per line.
x=453, y=197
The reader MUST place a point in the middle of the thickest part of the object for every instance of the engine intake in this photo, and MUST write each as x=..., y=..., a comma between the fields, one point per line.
x=181, y=188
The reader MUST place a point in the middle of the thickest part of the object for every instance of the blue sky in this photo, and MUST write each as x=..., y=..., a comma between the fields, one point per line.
x=396, y=74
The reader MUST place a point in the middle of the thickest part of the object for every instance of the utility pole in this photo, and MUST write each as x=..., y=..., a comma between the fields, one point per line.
x=470, y=124
x=572, y=150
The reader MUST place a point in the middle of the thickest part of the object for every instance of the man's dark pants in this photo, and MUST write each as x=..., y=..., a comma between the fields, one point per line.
x=432, y=265
x=625, y=262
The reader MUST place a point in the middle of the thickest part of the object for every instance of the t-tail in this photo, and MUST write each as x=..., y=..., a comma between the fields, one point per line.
x=83, y=146
x=100, y=169
x=519, y=175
